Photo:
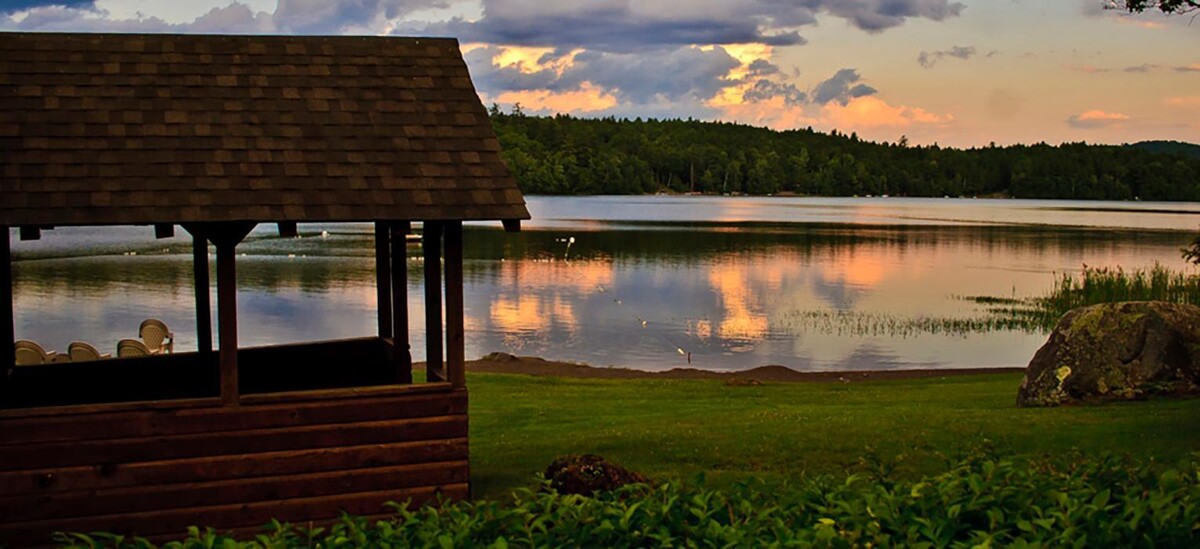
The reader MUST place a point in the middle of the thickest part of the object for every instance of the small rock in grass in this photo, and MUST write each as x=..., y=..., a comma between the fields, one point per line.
x=587, y=474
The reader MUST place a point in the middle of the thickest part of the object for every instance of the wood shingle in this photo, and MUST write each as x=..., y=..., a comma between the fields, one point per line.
x=125, y=128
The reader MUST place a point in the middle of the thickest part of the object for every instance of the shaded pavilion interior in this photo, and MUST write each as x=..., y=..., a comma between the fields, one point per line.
x=218, y=134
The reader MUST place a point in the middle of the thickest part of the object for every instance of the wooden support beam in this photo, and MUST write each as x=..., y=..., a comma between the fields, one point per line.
x=431, y=246
x=455, y=338
x=226, y=237
x=204, y=337
x=383, y=279
x=7, y=335
x=164, y=230
x=402, y=352
x=511, y=225
x=30, y=232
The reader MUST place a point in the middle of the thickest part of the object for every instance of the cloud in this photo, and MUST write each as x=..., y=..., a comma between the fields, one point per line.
x=234, y=18
x=588, y=99
x=289, y=17
x=1092, y=8
x=929, y=59
x=13, y=6
x=1194, y=67
x=63, y=18
x=685, y=73
x=1184, y=101
x=335, y=16
x=1093, y=119
x=626, y=27
x=1141, y=69
x=839, y=88
x=873, y=112
x=763, y=90
x=880, y=15
x=762, y=67
x=629, y=26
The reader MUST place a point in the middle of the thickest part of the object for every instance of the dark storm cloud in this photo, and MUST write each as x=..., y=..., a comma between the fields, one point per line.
x=614, y=28
x=762, y=67
x=629, y=26
x=880, y=15
x=681, y=73
x=674, y=75
x=841, y=88
x=10, y=6
x=764, y=90
x=929, y=59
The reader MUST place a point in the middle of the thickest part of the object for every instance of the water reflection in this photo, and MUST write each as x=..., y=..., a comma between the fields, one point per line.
x=646, y=293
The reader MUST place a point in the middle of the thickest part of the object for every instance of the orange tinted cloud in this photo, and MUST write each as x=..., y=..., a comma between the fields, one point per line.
x=1096, y=119
x=588, y=98
x=773, y=113
x=1186, y=101
x=872, y=112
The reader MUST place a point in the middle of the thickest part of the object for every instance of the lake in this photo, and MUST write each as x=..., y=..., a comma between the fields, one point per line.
x=648, y=282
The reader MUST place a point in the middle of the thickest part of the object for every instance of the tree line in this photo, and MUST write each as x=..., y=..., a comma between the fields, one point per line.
x=563, y=154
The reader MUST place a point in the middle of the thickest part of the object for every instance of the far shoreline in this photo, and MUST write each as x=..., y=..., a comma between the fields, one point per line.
x=504, y=363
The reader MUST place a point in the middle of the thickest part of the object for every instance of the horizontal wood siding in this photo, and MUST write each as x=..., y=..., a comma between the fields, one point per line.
x=155, y=472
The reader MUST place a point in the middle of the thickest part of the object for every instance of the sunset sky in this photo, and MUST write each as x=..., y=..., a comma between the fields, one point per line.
x=960, y=73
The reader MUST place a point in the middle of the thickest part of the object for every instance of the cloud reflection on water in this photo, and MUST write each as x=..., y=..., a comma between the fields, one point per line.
x=631, y=295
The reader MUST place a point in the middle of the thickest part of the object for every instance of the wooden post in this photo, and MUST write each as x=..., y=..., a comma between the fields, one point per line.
x=383, y=280
x=7, y=332
x=402, y=353
x=455, y=339
x=203, y=296
x=226, y=238
x=431, y=245
x=227, y=321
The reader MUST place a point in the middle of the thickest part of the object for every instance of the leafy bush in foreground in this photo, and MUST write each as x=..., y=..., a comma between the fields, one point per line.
x=983, y=500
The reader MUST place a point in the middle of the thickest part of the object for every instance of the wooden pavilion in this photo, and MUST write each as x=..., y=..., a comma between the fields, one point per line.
x=218, y=134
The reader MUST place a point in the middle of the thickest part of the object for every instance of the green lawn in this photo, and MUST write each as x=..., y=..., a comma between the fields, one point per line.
x=674, y=429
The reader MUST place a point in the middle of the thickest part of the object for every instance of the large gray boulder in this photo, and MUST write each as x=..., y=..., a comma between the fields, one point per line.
x=1116, y=351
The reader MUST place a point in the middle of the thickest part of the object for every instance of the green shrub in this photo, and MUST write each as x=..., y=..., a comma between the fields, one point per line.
x=983, y=500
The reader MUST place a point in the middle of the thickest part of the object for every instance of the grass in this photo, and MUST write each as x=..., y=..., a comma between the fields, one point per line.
x=1094, y=286
x=932, y=462
x=1037, y=314
x=676, y=429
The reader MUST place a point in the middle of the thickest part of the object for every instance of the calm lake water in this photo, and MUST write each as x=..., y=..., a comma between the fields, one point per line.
x=643, y=282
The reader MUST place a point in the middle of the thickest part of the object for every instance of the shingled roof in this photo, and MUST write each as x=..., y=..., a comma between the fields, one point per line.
x=124, y=128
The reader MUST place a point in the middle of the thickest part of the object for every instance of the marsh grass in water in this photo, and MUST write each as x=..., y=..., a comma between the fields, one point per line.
x=1094, y=286
x=1030, y=315
x=876, y=324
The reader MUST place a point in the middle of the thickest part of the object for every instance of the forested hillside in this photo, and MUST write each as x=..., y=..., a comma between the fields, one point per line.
x=568, y=155
x=1177, y=148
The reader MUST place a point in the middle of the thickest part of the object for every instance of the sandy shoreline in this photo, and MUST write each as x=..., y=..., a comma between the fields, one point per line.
x=509, y=364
